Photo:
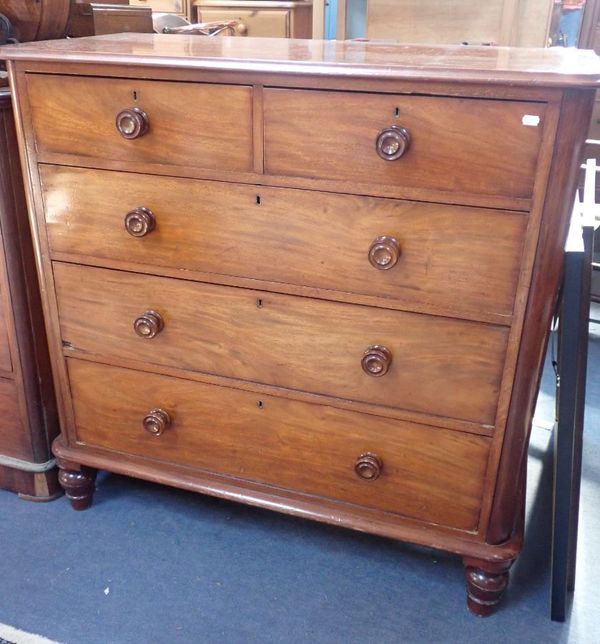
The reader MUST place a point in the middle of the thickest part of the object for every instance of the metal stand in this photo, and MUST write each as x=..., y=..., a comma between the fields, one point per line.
x=572, y=366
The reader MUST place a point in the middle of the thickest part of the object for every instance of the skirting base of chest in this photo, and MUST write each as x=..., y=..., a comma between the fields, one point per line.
x=31, y=486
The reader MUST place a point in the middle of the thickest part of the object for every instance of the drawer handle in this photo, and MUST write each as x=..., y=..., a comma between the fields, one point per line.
x=140, y=222
x=132, y=123
x=392, y=142
x=376, y=361
x=384, y=253
x=156, y=421
x=148, y=325
x=368, y=466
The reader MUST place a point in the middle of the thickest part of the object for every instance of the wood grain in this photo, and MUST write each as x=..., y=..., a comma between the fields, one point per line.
x=576, y=109
x=221, y=229
x=291, y=349
x=207, y=126
x=440, y=366
x=5, y=357
x=15, y=440
x=502, y=22
x=31, y=486
x=167, y=6
x=28, y=420
x=457, y=145
x=451, y=22
x=429, y=474
x=257, y=22
x=37, y=19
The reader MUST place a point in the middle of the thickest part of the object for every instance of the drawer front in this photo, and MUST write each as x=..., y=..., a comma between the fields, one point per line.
x=15, y=441
x=426, y=473
x=190, y=124
x=438, y=365
x=263, y=23
x=328, y=241
x=472, y=146
x=594, y=131
x=5, y=358
x=167, y=6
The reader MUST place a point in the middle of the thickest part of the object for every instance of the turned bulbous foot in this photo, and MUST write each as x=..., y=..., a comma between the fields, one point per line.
x=486, y=583
x=78, y=486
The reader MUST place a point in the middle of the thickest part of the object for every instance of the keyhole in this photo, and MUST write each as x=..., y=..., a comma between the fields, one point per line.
x=258, y=200
x=397, y=112
x=135, y=95
x=259, y=303
x=260, y=404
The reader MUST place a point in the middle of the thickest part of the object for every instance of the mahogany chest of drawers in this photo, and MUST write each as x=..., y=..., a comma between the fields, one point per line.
x=311, y=276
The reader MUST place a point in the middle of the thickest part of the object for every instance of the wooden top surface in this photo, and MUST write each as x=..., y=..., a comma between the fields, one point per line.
x=519, y=66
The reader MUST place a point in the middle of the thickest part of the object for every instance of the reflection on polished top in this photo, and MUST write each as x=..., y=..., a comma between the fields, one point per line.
x=556, y=66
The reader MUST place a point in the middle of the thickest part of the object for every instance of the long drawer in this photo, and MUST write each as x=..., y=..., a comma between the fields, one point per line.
x=416, y=254
x=459, y=145
x=439, y=366
x=427, y=473
x=197, y=125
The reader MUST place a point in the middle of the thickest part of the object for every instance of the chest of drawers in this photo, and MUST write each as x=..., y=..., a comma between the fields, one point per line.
x=311, y=276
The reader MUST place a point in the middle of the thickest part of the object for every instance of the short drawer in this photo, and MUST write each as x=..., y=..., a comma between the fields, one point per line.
x=415, y=254
x=459, y=145
x=15, y=440
x=430, y=474
x=167, y=6
x=262, y=23
x=438, y=366
x=5, y=357
x=194, y=125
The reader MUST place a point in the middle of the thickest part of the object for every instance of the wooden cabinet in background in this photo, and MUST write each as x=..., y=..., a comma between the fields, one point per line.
x=267, y=19
x=28, y=420
x=180, y=7
x=312, y=276
x=97, y=19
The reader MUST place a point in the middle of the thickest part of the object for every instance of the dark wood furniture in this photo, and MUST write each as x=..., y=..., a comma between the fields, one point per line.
x=311, y=276
x=98, y=18
x=28, y=420
x=37, y=19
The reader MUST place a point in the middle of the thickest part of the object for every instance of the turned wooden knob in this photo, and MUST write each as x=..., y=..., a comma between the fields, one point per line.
x=384, y=253
x=140, y=222
x=241, y=29
x=156, y=422
x=132, y=123
x=392, y=142
x=368, y=466
x=148, y=325
x=376, y=361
